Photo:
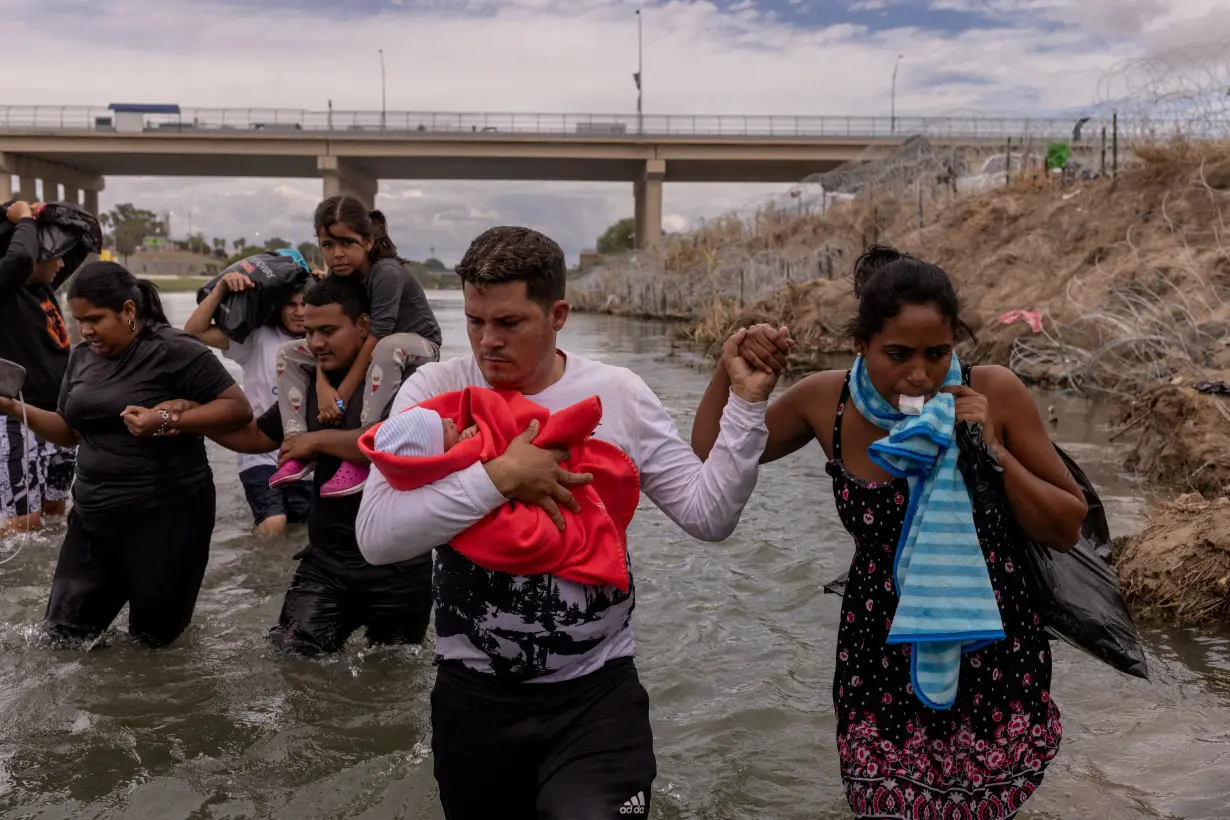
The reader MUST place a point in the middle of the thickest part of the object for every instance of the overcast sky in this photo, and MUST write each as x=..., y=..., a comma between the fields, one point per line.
x=795, y=57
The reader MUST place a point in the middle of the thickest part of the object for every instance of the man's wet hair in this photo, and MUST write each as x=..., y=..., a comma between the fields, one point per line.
x=514, y=254
x=346, y=291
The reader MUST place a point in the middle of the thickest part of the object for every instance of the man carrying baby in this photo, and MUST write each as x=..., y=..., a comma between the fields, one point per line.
x=536, y=687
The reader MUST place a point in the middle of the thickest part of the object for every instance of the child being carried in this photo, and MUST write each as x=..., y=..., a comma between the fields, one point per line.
x=453, y=431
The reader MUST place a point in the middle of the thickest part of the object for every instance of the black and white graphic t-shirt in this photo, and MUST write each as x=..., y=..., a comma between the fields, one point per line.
x=542, y=628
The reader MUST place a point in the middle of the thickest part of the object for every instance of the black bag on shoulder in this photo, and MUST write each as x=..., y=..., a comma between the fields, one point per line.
x=276, y=274
x=1077, y=593
x=65, y=231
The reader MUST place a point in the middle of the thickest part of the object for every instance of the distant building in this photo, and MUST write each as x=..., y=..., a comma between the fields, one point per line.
x=588, y=257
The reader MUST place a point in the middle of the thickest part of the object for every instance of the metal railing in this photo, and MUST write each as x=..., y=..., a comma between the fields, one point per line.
x=54, y=119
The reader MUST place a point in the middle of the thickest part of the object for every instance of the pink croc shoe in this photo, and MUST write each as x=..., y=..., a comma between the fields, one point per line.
x=348, y=480
x=290, y=472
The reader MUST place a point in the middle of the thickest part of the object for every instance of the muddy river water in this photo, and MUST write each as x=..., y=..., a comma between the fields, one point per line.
x=736, y=644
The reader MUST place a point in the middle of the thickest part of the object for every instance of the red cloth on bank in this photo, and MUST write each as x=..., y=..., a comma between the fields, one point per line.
x=520, y=538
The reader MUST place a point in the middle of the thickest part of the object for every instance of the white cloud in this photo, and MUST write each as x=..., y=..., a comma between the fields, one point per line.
x=550, y=56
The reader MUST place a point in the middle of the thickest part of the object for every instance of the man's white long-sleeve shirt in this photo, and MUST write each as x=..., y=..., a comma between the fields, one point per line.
x=544, y=628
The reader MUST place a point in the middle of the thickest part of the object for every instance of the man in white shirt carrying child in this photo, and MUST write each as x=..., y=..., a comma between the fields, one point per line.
x=537, y=693
x=257, y=357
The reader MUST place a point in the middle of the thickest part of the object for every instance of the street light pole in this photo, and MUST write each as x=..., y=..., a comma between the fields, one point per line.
x=640, y=54
x=383, y=106
x=892, y=119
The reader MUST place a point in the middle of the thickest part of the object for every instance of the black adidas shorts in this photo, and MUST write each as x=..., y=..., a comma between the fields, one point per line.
x=575, y=750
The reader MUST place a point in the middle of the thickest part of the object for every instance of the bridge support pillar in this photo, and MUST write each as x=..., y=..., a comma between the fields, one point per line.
x=72, y=194
x=53, y=175
x=648, y=194
x=343, y=178
x=6, y=179
x=27, y=188
x=90, y=201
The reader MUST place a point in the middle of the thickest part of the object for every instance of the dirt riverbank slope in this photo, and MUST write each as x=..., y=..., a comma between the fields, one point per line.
x=1129, y=279
x=1177, y=568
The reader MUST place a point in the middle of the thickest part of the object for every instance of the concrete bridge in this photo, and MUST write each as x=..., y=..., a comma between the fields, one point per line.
x=78, y=147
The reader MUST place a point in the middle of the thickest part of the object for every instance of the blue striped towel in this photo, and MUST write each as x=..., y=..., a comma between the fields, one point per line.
x=946, y=606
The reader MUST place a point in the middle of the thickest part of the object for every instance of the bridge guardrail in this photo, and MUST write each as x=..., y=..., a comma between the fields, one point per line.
x=724, y=126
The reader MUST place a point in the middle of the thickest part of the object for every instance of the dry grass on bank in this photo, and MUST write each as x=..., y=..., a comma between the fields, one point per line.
x=1131, y=276
x=1178, y=568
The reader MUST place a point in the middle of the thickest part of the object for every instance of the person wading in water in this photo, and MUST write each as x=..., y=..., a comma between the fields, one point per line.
x=966, y=733
x=271, y=508
x=143, y=498
x=33, y=334
x=334, y=591
x=537, y=693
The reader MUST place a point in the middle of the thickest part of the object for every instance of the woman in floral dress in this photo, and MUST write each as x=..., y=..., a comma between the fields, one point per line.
x=984, y=755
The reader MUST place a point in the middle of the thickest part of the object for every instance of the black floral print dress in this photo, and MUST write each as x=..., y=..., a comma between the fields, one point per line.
x=983, y=757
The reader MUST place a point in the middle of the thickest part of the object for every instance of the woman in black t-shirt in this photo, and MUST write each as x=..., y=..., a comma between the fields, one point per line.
x=143, y=499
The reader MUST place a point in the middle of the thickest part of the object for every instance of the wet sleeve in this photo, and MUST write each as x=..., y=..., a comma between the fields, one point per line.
x=74, y=359
x=705, y=498
x=385, y=287
x=270, y=423
x=196, y=373
x=19, y=259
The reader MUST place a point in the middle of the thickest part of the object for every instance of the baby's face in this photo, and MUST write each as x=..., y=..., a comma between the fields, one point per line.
x=451, y=436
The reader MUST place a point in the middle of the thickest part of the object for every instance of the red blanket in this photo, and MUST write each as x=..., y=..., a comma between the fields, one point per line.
x=519, y=538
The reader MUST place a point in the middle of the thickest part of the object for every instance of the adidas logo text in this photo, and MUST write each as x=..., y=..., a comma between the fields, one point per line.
x=635, y=805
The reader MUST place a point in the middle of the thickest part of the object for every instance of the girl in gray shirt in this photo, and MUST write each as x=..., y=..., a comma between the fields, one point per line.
x=402, y=335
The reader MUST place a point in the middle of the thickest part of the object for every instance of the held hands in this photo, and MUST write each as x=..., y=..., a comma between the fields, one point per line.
x=176, y=408
x=972, y=406
x=330, y=404
x=144, y=421
x=532, y=475
x=755, y=358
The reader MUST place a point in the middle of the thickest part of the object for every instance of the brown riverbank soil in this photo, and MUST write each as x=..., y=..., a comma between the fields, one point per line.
x=1182, y=439
x=1178, y=568
x=1130, y=278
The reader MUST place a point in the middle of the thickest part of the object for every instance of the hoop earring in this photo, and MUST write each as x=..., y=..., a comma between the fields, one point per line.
x=132, y=325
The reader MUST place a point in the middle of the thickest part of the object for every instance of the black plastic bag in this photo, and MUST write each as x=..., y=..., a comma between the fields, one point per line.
x=65, y=231
x=64, y=228
x=1078, y=595
x=276, y=275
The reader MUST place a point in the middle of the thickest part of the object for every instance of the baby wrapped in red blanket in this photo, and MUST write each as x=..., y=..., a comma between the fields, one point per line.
x=455, y=430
